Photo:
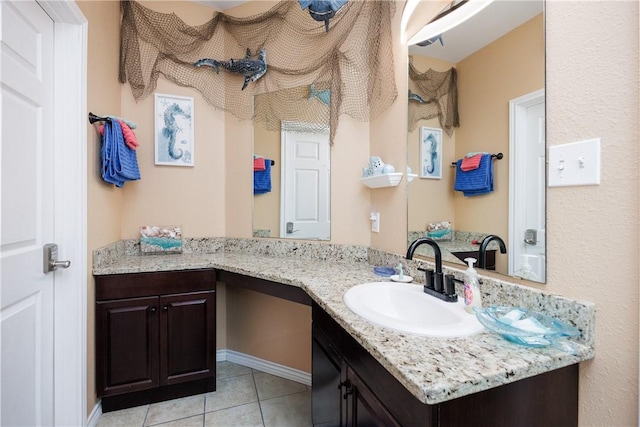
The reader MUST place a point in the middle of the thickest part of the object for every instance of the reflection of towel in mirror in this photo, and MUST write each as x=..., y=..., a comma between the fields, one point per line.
x=258, y=164
x=477, y=181
x=262, y=179
x=471, y=163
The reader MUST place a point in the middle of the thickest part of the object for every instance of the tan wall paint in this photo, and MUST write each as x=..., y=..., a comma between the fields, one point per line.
x=510, y=67
x=104, y=201
x=592, y=91
x=592, y=246
x=269, y=328
x=387, y=142
x=430, y=200
x=266, y=207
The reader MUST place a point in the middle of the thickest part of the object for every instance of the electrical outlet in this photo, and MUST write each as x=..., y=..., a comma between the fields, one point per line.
x=375, y=222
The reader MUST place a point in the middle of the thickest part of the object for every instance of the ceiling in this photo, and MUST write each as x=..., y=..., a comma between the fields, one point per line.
x=491, y=23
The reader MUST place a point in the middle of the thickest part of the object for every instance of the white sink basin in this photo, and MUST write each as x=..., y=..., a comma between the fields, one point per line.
x=405, y=307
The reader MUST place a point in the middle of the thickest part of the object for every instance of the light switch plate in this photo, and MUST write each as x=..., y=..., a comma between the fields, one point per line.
x=575, y=163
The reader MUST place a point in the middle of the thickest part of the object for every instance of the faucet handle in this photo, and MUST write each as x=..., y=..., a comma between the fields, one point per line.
x=428, y=275
x=449, y=284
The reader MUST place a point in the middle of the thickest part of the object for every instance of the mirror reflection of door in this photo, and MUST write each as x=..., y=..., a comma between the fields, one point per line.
x=527, y=232
x=305, y=210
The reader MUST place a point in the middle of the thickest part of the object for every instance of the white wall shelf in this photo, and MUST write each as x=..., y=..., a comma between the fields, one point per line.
x=384, y=180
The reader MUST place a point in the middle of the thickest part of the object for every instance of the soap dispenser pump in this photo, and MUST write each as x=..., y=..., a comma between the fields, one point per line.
x=472, y=296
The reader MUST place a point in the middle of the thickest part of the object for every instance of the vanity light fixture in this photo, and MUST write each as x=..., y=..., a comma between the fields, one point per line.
x=455, y=14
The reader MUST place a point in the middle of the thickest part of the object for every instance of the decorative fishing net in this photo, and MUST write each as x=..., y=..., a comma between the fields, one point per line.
x=439, y=91
x=353, y=60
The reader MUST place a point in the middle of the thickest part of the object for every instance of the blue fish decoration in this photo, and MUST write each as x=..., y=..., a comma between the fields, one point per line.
x=251, y=69
x=415, y=97
x=323, y=95
x=322, y=10
x=432, y=40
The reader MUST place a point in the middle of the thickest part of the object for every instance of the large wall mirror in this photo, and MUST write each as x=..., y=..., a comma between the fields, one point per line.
x=292, y=165
x=499, y=59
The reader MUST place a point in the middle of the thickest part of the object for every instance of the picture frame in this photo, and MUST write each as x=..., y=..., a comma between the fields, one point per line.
x=174, y=130
x=430, y=153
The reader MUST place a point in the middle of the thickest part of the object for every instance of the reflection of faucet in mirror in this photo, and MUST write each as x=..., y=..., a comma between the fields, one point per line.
x=482, y=253
x=434, y=281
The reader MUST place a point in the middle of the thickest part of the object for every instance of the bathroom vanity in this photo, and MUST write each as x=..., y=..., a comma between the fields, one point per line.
x=155, y=336
x=362, y=372
x=351, y=388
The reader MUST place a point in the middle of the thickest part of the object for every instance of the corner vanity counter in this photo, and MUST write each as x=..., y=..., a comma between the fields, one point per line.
x=431, y=371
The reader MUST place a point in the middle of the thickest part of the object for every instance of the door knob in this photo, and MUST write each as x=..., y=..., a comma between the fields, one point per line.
x=50, y=258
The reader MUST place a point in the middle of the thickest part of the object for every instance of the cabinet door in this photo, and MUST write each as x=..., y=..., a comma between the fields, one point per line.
x=187, y=337
x=329, y=384
x=366, y=410
x=126, y=345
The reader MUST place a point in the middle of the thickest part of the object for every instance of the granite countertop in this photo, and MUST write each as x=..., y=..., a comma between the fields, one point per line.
x=434, y=370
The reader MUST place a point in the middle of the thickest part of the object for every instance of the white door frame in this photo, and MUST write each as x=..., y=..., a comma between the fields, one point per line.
x=70, y=210
x=517, y=115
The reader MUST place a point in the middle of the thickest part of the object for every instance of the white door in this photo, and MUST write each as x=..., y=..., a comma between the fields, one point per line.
x=27, y=223
x=527, y=233
x=305, y=183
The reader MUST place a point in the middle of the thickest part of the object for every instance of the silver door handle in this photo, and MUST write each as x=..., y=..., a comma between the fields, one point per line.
x=531, y=236
x=50, y=258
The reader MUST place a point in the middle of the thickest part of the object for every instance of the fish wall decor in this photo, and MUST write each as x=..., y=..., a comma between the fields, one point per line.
x=322, y=10
x=251, y=69
x=322, y=95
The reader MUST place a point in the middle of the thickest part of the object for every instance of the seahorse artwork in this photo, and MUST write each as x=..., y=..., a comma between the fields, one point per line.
x=433, y=154
x=171, y=129
x=251, y=69
x=322, y=10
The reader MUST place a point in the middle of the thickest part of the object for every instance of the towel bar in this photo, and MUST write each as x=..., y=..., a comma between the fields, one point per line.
x=493, y=156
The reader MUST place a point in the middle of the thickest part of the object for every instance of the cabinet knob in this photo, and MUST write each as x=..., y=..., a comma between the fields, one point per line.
x=165, y=308
x=154, y=309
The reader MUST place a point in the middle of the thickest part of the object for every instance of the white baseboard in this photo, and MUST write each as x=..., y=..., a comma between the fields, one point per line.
x=264, y=366
x=241, y=359
x=95, y=414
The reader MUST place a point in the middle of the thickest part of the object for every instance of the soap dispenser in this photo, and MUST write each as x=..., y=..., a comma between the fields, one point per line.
x=472, y=296
x=526, y=271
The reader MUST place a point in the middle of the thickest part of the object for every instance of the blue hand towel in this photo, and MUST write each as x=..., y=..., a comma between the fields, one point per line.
x=119, y=162
x=475, y=182
x=262, y=179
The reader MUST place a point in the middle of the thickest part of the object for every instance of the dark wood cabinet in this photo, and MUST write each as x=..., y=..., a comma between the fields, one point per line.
x=155, y=336
x=340, y=396
x=349, y=388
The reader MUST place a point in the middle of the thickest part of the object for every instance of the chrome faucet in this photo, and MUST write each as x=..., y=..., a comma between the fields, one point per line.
x=434, y=280
x=482, y=253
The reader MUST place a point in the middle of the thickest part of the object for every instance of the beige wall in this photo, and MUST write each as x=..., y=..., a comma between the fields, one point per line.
x=510, y=67
x=592, y=246
x=266, y=207
x=592, y=91
x=104, y=202
x=430, y=200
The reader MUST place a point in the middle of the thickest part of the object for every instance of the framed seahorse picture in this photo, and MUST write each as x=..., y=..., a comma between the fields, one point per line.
x=174, y=141
x=430, y=153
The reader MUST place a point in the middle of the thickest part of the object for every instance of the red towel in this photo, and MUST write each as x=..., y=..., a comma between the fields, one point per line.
x=129, y=137
x=471, y=163
x=258, y=164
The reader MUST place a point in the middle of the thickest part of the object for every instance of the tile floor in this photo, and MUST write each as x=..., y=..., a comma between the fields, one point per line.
x=243, y=397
